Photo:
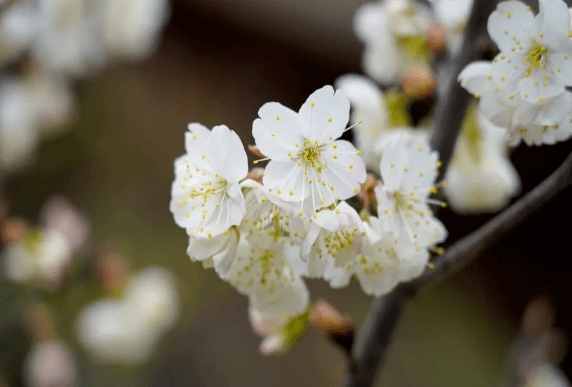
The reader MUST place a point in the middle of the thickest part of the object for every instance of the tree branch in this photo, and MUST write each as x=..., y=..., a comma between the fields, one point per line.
x=452, y=100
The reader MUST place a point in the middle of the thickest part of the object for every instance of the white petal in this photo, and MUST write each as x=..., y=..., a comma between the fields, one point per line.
x=227, y=154
x=553, y=19
x=511, y=19
x=474, y=76
x=276, y=131
x=285, y=178
x=325, y=114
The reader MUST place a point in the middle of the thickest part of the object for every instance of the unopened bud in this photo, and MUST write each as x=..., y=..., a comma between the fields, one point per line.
x=112, y=271
x=436, y=37
x=326, y=319
x=256, y=174
x=418, y=81
x=39, y=322
x=255, y=151
x=13, y=230
x=538, y=316
x=367, y=193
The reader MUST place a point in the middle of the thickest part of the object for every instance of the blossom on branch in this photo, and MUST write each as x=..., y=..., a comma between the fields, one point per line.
x=377, y=265
x=408, y=170
x=523, y=120
x=307, y=161
x=206, y=196
x=333, y=236
x=535, y=51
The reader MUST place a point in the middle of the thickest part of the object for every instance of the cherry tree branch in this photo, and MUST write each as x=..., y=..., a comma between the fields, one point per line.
x=453, y=99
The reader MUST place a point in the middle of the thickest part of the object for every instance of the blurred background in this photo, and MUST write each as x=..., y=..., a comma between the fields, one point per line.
x=217, y=63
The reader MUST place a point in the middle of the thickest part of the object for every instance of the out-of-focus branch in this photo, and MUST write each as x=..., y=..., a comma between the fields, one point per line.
x=452, y=98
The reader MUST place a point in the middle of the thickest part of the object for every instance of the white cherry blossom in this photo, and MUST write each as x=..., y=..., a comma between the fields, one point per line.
x=206, y=196
x=376, y=267
x=280, y=331
x=548, y=123
x=306, y=159
x=535, y=51
x=480, y=79
x=408, y=169
x=333, y=235
x=268, y=278
x=523, y=120
x=268, y=221
x=217, y=251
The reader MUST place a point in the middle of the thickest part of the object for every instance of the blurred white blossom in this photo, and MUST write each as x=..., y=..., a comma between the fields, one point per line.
x=480, y=178
x=547, y=375
x=127, y=330
x=131, y=27
x=58, y=214
x=453, y=14
x=41, y=257
x=18, y=134
x=50, y=363
x=393, y=32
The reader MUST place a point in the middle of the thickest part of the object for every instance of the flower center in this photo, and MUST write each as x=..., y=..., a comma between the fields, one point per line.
x=339, y=240
x=208, y=188
x=536, y=58
x=407, y=202
x=311, y=154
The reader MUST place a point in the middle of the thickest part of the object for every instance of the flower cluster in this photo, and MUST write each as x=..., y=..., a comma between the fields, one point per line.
x=264, y=235
x=524, y=88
